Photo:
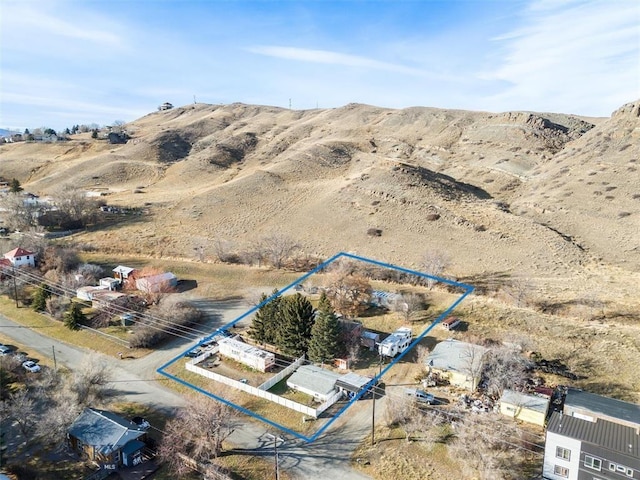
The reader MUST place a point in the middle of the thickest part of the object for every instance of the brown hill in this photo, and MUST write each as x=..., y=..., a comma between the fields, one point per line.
x=552, y=196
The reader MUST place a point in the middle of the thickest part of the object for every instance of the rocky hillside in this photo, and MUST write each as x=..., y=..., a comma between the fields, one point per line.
x=549, y=195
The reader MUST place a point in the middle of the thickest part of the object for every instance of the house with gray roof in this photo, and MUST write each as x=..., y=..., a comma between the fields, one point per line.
x=107, y=439
x=590, y=406
x=579, y=449
x=524, y=407
x=459, y=362
x=316, y=382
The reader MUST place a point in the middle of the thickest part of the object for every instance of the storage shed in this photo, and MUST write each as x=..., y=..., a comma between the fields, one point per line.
x=524, y=407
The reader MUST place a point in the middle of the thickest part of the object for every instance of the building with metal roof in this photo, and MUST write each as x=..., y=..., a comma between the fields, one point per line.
x=524, y=407
x=579, y=449
x=316, y=382
x=107, y=438
x=590, y=406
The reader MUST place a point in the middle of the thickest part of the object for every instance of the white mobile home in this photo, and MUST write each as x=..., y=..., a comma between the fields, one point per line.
x=395, y=343
x=247, y=354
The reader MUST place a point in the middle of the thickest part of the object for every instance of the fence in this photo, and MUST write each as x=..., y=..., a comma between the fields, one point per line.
x=298, y=407
x=279, y=376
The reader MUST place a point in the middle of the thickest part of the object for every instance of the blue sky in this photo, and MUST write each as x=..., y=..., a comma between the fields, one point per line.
x=67, y=62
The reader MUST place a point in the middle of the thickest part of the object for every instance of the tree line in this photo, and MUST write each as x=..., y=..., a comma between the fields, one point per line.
x=292, y=325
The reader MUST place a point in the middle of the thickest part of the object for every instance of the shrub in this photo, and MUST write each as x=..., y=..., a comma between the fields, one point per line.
x=374, y=232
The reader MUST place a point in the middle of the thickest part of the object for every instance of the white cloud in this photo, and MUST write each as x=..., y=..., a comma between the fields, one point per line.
x=45, y=25
x=332, y=58
x=572, y=55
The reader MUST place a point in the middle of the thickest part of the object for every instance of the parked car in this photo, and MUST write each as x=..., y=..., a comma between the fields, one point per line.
x=194, y=353
x=4, y=350
x=420, y=396
x=31, y=366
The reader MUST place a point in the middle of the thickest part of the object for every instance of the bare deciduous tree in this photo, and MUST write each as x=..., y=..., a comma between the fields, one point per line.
x=409, y=305
x=349, y=294
x=519, y=289
x=224, y=250
x=197, y=433
x=278, y=249
x=22, y=409
x=504, y=367
x=20, y=215
x=74, y=208
x=434, y=263
x=90, y=382
x=483, y=453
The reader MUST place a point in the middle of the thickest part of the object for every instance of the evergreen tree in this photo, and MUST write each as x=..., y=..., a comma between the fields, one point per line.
x=74, y=317
x=324, y=345
x=264, y=326
x=94, y=133
x=14, y=186
x=324, y=305
x=295, y=323
x=40, y=298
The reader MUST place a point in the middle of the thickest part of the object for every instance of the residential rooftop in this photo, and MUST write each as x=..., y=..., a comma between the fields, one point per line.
x=456, y=356
x=530, y=402
x=612, y=436
x=603, y=406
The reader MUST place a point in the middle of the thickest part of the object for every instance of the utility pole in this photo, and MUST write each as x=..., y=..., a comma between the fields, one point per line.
x=373, y=409
x=55, y=364
x=275, y=453
x=15, y=289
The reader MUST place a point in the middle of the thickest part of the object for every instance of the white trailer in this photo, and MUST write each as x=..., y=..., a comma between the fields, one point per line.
x=253, y=357
x=395, y=343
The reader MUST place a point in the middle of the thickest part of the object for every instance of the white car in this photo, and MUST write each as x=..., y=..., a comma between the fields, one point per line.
x=4, y=350
x=31, y=366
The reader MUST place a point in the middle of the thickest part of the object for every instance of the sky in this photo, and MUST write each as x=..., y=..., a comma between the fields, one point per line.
x=81, y=62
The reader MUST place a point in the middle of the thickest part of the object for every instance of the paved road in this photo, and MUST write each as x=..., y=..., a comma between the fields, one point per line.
x=327, y=457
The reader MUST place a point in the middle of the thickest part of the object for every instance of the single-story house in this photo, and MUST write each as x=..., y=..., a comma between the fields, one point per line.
x=157, y=283
x=109, y=283
x=527, y=408
x=19, y=257
x=314, y=381
x=107, y=439
x=87, y=293
x=249, y=355
x=122, y=273
x=459, y=362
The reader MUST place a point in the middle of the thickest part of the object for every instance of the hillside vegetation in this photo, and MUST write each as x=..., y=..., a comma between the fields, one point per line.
x=552, y=197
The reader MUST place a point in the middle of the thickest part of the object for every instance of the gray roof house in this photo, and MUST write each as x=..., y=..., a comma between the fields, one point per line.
x=590, y=406
x=107, y=439
x=579, y=449
x=459, y=362
x=314, y=381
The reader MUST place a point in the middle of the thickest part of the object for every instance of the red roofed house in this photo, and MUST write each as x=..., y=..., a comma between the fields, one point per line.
x=4, y=264
x=19, y=257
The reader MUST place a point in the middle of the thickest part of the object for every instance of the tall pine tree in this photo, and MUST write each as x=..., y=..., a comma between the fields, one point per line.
x=264, y=327
x=296, y=321
x=40, y=298
x=74, y=317
x=324, y=345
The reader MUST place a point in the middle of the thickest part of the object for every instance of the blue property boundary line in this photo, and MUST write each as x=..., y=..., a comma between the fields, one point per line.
x=468, y=289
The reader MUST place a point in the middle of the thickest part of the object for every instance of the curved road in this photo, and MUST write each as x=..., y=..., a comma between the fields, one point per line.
x=327, y=457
